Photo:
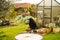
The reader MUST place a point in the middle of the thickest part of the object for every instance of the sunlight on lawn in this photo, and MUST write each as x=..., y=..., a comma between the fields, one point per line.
x=11, y=31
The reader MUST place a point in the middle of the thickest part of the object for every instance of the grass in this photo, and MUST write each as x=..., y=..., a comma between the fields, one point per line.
x=12, y=31
x=52, y=36
x=9, y=33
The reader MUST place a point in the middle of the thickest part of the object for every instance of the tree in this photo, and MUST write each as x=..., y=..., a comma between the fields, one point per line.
x=20, y=9
x=32, y=10
x=11, y=12
x=4, y=6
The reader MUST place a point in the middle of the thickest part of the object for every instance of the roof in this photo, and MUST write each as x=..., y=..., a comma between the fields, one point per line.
x=22, y=5
x=48, y=3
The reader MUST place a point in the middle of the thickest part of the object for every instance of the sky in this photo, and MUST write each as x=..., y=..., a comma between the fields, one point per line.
x=29, y=1
x=58, y=1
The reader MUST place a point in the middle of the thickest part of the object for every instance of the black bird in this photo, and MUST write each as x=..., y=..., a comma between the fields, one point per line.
x=32, y=24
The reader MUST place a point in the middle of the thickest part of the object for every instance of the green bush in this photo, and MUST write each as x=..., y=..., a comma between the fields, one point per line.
x=24, y=19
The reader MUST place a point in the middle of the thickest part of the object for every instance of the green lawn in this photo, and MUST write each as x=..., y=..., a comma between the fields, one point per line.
x=52, y=36
x=10, y=32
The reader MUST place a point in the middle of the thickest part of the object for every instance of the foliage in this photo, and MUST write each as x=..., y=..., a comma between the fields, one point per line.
x=32, y=10
x=4, y=6
x=51, y=25
x=7, y=10
x=24, y=19
x=11, y=13
x=20, y=9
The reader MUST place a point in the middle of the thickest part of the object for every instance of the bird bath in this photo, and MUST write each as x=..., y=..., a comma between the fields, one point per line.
x=28, y=36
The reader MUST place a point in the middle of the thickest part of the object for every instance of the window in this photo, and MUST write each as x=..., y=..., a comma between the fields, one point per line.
x=58, y=1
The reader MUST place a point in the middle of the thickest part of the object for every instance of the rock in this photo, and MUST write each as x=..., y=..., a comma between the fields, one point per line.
x=28, y=29
x=55, y=30
x=12, y=24
x=43, y=31
x=48, y=30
